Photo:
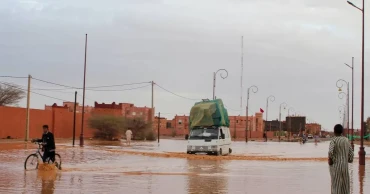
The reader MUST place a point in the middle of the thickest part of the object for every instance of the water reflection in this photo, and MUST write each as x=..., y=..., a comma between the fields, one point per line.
x=361, y=175
x=209, y=177
x=96, y=169
x=350, y=166
x=47, y=181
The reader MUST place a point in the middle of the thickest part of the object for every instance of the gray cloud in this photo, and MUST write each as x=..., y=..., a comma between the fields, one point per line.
x=294, y=50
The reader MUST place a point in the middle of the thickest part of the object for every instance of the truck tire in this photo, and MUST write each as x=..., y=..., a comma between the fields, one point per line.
x=219, y=153
x=230, y=150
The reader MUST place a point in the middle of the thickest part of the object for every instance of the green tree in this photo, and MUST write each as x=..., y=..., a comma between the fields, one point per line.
x=106, y=126
x=140, y=128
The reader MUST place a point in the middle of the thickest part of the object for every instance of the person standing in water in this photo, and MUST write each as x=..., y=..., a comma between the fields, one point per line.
x=128, y=137
x=340, y=154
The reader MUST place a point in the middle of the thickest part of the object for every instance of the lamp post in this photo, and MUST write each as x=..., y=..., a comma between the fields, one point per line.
x=340, y=109
x=340, y=85
x=214, y=79
x=362, y=152
x=254, y=90
x=272, y=99
x=290, y=122
x=346, y=112
x=284, y=106
x=353, y=81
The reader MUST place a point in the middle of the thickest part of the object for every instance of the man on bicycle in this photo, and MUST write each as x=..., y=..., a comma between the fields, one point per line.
x=48, y=143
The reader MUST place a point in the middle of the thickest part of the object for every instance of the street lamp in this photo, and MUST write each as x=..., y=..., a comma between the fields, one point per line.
x=353, y=81
x=272, y=99
x=254, y=90
x=340, y=84
x=290, y=122
x=362, y=152
x=284, y=106
x=214, y=79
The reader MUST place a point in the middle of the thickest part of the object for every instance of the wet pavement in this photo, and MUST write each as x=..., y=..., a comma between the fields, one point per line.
x=112, y=167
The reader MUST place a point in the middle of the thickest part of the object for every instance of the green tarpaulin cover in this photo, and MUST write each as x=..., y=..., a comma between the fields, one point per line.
x=209, y=113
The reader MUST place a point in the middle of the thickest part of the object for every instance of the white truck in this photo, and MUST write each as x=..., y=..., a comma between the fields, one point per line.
x=209, y=132
x=210, y=140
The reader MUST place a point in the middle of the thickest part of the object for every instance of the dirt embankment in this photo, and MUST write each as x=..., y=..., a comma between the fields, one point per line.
x=209, y=157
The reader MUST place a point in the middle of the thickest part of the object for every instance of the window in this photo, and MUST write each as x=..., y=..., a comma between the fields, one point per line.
x=134, y=113
x=180, y=121
x=168, y=125
x=141, y=113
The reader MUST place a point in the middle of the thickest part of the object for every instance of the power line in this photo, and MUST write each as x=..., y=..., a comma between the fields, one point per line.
x=18, y=88
x=90, y=87
x=113, y=90
x=121, y=90
x=48, y=82
x=9, y=76
x=109, y=86
x=174, y=93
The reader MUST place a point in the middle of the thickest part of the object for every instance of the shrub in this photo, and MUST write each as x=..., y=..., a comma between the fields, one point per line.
x=140, y=128
x=106, y=126
x=150, y=136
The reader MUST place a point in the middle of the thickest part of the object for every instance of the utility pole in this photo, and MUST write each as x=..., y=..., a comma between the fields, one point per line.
x=152, y=115
x=246, y=121
x=235, y=127
x=74, y=119
x=28, y=108
x=83, y=99
x=246, y=124
x=159, y=122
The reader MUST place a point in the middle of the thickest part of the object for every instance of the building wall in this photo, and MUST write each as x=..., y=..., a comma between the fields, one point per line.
x=295, y=124
x=180, y=124
x=59, y=119
x=313, y=128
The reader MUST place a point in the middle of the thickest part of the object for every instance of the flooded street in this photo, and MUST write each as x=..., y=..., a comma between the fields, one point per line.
x=116, y=168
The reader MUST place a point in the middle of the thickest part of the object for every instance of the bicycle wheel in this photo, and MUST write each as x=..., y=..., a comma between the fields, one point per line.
x=32, y=162
x=57, y=161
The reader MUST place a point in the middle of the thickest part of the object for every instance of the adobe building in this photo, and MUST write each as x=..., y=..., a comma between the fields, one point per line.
x=70, y=106
x=295, y=124
x=313, y=128
x=274, y=125
x=179, y=126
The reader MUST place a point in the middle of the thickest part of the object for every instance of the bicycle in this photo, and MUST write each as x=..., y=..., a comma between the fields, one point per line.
x=34, y=159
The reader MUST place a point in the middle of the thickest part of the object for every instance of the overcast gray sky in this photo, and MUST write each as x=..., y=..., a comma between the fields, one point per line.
x=293, y=49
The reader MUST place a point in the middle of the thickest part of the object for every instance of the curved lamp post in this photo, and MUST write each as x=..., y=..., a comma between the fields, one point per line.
x=353, y=81
x=254, y=90
x=290, y=122
x=284, y=105
x=214, y=79
x=272, y=99
x=340, y=84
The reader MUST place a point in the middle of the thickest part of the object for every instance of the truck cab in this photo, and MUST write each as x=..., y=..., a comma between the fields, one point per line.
x=215, y=140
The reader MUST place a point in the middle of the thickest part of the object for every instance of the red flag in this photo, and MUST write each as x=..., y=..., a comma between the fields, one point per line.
x=261, y=110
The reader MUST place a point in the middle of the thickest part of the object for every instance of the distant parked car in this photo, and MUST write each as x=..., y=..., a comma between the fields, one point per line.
x=310, y=136
x=328, y=136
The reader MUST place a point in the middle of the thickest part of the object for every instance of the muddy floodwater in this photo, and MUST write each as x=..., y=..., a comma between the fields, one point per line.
x=146, y=167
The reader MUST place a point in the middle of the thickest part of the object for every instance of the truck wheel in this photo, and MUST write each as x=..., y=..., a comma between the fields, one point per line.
x=230, y=150
x=219, y=153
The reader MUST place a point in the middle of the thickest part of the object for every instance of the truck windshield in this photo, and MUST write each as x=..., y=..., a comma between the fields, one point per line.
x=204, y=133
